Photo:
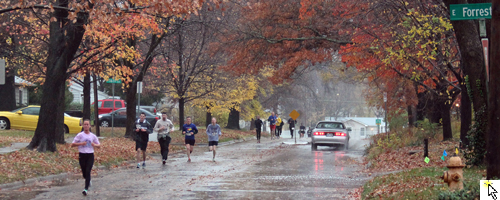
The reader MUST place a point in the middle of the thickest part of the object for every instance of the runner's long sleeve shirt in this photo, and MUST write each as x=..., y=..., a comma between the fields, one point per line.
x=167, y=124
x=213, y=132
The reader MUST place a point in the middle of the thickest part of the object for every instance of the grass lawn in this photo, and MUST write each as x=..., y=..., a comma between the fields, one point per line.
x=418, y=183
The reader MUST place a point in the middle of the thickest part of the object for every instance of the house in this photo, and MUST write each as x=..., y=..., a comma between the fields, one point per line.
x=77, y=91
x=21, y=91
x=361, y=126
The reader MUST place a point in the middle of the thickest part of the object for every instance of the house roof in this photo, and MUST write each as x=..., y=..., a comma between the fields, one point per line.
x=19, y=81
x=367, y=121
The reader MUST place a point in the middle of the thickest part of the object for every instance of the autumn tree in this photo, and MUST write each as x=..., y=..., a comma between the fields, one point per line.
x=67, y=25
x=418, y=47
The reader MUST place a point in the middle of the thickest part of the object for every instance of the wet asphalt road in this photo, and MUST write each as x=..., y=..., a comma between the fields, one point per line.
x=247, y=170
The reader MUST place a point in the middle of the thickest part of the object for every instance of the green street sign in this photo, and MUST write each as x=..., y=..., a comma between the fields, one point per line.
x=470, y=11
x=114, y=81
x=378, y=121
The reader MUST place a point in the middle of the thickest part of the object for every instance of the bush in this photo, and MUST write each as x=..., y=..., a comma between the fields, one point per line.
x=75, y=106
x=470, y=191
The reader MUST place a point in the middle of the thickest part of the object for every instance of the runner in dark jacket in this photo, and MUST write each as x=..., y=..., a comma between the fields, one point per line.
x=258, y=128
x=291, y=124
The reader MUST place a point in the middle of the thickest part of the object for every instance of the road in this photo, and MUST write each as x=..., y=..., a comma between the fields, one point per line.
x=247, y=170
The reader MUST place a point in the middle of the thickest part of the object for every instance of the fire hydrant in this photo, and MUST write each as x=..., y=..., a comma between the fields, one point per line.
x=454, y=176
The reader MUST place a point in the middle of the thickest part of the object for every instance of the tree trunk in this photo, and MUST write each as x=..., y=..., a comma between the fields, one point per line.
x=86, y=96
x=465, y=116
x=467, y=34
x=446, y=120
x=493, y=138
x=96, y=107
x=181, y=112
x=131, y=109
x=65, y=38
x=8, y=92
x=59, y=134
x=208, y=119
x=412, y=115
x=233, y=121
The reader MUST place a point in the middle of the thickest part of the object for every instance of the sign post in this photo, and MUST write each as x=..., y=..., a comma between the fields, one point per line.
x=294, y=115
x=139, y=91
x=385, y=105
x=113, y=81
x=474, y=11
x=378, y=122
x=2, y=72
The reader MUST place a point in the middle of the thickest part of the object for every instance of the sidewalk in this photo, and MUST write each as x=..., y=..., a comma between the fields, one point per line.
x=286, y=138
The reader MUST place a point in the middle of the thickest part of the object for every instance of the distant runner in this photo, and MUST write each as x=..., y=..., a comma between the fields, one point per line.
x=86, y=141
x=164, y=127
x=279, y=127
x=258, y=126
x=291, y=124
x=142, y=129
x=272, y=120
x=189, y=130
x=213, y=132
x=302, y=130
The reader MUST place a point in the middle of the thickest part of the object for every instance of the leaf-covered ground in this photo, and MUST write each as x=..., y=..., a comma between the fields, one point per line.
x=115, y=151
x=399, y=175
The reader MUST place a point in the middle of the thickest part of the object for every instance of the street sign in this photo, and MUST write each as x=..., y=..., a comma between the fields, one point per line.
x=470, y=11
x=139, y=87
x=114, y=81
x=294, y=115
x=2, y=72
x=378, y=121
x=484, y=41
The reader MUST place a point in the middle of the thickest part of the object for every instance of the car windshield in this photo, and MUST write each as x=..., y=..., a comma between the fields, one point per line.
x=17, y=109
x=330, y=125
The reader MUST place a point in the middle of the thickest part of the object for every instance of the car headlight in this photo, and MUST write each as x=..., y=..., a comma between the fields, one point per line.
x=100, y=116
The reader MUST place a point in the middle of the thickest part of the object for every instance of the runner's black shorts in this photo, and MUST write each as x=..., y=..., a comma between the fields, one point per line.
x=213, y=143
x=189, y=141
x=141, y=141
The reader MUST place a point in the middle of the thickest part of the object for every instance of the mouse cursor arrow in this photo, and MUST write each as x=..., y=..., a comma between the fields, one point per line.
x=492, y=192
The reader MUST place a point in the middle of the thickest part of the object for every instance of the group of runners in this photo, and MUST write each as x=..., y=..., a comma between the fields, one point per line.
x=276, y=126
x=86, y=141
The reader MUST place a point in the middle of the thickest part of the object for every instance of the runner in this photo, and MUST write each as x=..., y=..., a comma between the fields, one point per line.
x=291, y=124
x=164, y=127
x=142, y=129
x=86, y=141
x=213, y=132
x=272, y=121
x=258, y=126
x=279, y=126
x=189, y=130
x=302, y=130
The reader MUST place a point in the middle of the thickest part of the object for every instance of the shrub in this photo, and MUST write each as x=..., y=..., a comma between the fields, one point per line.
x=470, y=191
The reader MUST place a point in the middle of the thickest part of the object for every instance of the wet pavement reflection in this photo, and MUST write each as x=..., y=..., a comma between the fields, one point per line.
x=247, y=170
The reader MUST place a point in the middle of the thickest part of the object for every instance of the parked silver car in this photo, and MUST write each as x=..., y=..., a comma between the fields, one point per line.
x=330, y=133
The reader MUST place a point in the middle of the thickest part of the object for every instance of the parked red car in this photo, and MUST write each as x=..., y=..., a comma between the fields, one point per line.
x=106, y=105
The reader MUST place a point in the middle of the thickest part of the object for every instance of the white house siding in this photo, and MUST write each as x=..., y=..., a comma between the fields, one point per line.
x=21, y=94
x=77, y=91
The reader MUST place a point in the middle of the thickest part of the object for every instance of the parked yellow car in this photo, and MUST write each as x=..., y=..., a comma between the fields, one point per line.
x=26, y=118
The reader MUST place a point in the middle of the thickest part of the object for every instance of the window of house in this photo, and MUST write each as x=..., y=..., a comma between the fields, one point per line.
x=20, y=97
x=362, y=132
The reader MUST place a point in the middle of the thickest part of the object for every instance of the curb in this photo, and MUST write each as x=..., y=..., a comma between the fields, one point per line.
x=66, y=175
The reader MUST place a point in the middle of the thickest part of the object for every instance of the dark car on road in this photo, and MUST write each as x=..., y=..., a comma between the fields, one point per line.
x=120, y=118
x=329, y=133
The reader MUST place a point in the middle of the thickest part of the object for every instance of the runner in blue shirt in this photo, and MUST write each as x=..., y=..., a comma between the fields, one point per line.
x=189, y=130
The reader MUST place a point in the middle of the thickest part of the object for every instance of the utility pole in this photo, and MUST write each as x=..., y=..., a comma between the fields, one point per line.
x=493, y=139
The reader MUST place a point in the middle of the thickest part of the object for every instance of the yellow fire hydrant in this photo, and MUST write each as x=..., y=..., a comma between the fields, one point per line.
x=454, y=176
